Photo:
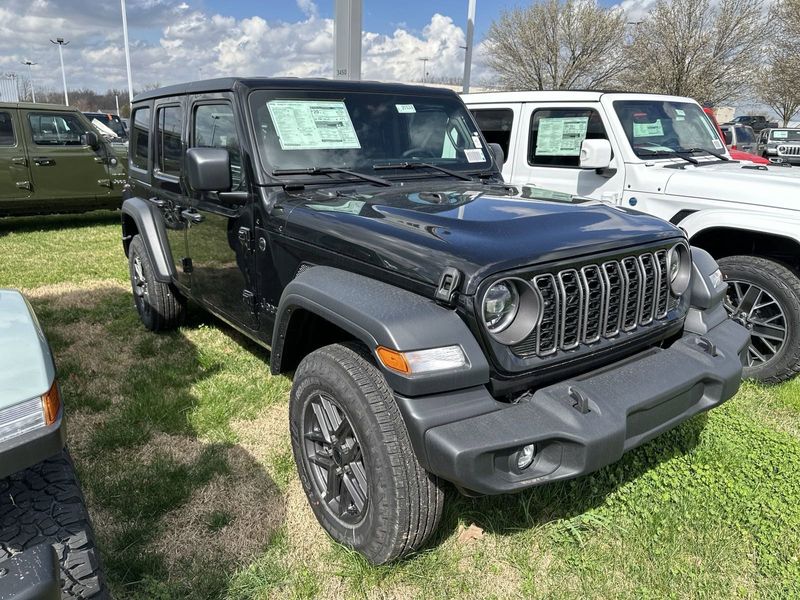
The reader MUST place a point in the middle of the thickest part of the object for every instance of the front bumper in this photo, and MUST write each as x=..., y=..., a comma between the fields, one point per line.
x=31, y=448
x=470, y=439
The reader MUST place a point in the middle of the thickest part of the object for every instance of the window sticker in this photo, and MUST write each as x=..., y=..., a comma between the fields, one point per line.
x=313, y=124
x=648, y=129
x=474, y=155
x=561, y=136
x=780, y=135
x=717, y=144
x=405, y=108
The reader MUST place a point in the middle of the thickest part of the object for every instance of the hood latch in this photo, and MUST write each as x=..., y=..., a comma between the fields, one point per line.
x=448, y=286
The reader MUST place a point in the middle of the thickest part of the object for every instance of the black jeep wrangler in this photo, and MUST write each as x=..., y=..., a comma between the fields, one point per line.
x=441, y=326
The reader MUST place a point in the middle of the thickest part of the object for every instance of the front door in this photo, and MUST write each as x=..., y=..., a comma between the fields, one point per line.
x=63, y=169
x=221, y=242
x=15, y=178
x=548, y=154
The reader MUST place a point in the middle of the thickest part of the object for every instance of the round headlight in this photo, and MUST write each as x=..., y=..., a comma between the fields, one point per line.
x=679, y=267
x=510, y=310
x=500, y=305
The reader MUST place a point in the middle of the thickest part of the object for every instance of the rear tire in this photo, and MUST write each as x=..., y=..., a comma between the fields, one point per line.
x=160, y=305
x=354, y=457
x=44, y=504
x=764, y=296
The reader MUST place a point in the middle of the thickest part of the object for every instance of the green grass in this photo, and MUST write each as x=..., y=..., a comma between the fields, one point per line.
x=181, y=445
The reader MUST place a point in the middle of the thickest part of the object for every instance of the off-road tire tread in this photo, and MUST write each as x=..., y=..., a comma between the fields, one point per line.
x=419, y=493
x=789, y=282
x=168, y=304
x=44, y=504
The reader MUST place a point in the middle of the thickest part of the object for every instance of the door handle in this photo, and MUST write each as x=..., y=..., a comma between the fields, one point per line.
x=192, y=216
x=20, y=161
x=24, y=185
x=43, y=161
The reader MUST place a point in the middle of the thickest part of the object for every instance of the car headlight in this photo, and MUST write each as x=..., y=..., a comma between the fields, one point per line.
x=679, y=267
x=510, y=310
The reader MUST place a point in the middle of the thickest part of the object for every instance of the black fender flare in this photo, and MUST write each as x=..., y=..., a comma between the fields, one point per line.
x=380, y=314
x=150, y=225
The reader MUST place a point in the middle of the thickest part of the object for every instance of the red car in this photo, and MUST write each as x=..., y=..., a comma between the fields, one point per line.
x=735, y=154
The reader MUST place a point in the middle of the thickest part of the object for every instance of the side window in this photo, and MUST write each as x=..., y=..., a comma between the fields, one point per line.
x=556, y=135
x=215, y=127
x=169, y=150
x=727, y=132
x=7, y=137
x=140, y=138
x=496, y=124
x=56, y=129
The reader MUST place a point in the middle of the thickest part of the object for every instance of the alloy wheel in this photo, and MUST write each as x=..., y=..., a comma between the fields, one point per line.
x=757, y=310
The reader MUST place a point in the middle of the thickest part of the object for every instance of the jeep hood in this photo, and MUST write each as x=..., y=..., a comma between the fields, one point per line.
x=772, y=186
x=478, y=229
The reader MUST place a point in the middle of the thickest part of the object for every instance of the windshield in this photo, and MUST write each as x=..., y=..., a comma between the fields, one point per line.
x=359, y=130
x=656, y=127
x=785, y=135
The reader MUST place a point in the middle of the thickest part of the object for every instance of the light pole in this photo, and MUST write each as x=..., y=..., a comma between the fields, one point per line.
x=424, y=68
x=468, y=47
x=127, y=52
x=60, y=42
x=30, y=77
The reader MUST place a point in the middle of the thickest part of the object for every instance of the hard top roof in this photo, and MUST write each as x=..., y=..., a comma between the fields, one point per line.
x=38, y=106
x=225, y=84
x=548, y=96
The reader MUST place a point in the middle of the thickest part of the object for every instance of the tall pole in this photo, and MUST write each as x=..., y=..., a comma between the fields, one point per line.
x=60, y=42
x=347, y=25
x=468, y=52
x=127, y=52
x=30, y=77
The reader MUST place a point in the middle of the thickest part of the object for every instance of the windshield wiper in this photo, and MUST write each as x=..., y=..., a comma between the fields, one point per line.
x=329, y=170
x=670, y=154
x=714, y=154
x=420, y=165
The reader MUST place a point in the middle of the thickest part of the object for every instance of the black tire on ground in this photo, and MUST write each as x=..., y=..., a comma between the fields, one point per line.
x=774, y=325
x=401, y=504
x=44, y=504
x=160, y=305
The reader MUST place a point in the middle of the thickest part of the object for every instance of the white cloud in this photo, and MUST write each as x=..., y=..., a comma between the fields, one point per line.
x=173, y=42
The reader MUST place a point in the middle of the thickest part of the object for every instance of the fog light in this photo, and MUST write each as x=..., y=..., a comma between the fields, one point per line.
x=526, y=456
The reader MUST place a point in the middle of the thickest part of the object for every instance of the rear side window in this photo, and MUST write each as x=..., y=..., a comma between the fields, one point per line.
x=56, y=129
x=169, y=150
x=496, y=124
x=215, y=127
x=7, y=137
x=728, y=133
x=140, y=138
x=556, y=135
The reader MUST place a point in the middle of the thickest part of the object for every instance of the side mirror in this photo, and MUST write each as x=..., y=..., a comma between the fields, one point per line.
x=499, y=155
x=90, y=139
x=208, y=169
x=595, y=154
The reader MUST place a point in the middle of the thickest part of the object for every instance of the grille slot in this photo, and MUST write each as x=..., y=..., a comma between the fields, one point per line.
x=597, y=301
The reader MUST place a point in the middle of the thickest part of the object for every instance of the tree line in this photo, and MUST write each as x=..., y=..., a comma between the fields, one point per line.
x=714, y=52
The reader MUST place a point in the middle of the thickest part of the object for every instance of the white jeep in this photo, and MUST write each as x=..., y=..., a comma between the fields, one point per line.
x=662, y=155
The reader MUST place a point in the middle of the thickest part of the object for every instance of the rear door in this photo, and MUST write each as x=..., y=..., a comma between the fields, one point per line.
x=15, y=178
x=64, y=170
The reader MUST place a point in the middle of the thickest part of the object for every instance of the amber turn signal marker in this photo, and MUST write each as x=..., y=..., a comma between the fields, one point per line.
x=51, y=403
x=392, y=359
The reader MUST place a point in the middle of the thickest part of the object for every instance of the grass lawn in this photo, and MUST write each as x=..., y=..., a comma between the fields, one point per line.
x=181, y=441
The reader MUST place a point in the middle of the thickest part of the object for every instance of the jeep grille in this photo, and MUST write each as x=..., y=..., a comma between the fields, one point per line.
x=603, y=300
x=789, y=150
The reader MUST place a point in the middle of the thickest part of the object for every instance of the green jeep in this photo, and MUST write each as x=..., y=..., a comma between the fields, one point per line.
x=53, y=161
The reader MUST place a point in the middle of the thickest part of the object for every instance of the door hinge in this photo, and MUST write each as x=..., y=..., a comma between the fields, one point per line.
x=24, y=185
x=186, y=264
x=245, y=238
x=249, y=299
x=448, y=286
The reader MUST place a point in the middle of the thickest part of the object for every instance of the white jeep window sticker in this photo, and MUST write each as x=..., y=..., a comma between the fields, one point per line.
x=561, y=136
x=780, y=135
x=717, y=144
x=654, y=129
x=474, y=155
x=313, y=124
x=405, y=108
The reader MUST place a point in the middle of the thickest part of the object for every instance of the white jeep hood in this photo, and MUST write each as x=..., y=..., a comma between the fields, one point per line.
x=775, y=187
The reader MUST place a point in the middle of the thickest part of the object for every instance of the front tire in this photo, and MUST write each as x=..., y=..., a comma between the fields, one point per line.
x=355, y=459
x=160, y=305
x=764, y=296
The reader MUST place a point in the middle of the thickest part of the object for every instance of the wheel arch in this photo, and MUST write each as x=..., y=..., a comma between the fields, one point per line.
x=139, y=217
x=327, y=305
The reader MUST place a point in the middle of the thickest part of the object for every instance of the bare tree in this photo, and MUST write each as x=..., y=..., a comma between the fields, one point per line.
x=779, y=81
x=708, y=51
x=558, y=44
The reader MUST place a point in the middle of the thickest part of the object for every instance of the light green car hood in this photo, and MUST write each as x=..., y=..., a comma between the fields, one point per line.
x=26, y=365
